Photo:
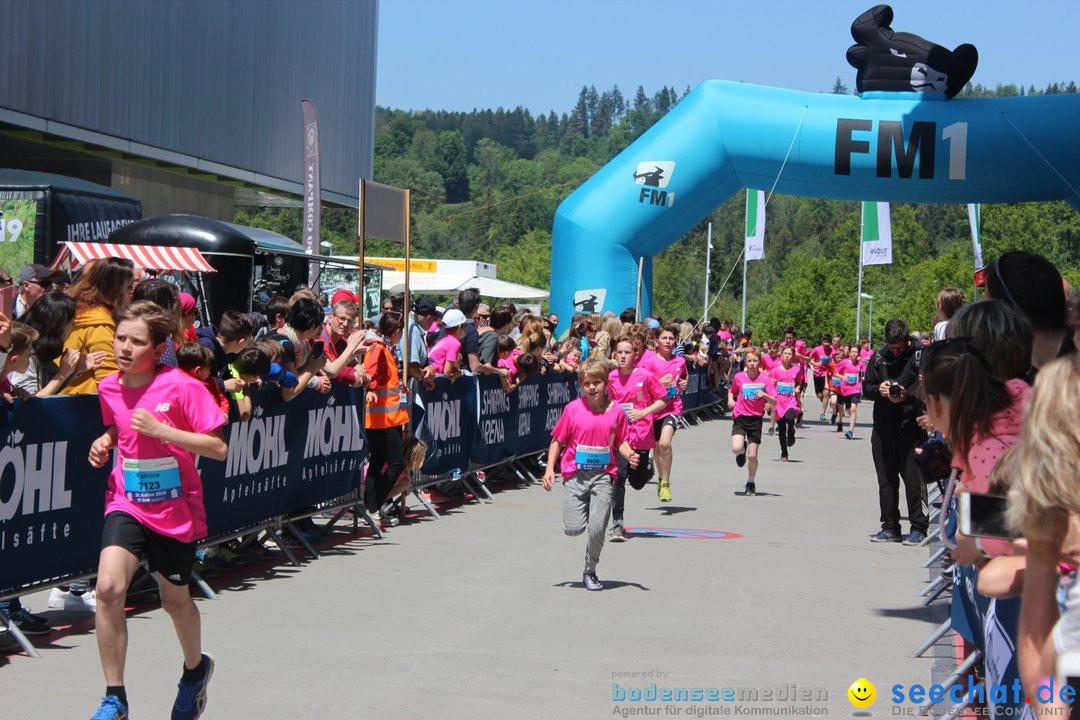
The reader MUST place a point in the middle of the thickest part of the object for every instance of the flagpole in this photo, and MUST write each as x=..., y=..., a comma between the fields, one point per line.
x=743, y=323
x=708, y=255
x=858, y=301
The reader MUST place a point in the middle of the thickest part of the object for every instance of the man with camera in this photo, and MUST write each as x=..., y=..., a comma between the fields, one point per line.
x=889, y=381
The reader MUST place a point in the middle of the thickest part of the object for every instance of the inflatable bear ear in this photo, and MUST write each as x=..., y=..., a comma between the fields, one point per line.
x=902, y=62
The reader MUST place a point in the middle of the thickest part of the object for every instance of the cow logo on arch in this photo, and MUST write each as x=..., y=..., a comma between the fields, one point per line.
x=654, y=176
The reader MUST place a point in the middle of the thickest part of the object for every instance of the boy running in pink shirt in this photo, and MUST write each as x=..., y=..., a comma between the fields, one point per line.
x=589, y=433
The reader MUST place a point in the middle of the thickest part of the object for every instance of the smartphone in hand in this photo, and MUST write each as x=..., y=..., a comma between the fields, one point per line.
x=984, y=516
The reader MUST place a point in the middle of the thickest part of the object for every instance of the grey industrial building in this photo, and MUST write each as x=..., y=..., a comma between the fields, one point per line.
x=191, y=106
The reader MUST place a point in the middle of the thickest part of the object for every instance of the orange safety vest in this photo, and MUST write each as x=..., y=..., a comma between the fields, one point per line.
x=388, y=410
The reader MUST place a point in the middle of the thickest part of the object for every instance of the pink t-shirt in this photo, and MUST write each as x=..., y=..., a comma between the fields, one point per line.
x=768, y=362
x=153, y=481
x=864, y=356
x=590, y=438
x=816, y=355
x=646, y=356
x=724, y=335
x=743, y=388
x=447, y=348
x=787, y=382
x=509, y=363
x=636, y=391
x=676, y=368
x=849, y=378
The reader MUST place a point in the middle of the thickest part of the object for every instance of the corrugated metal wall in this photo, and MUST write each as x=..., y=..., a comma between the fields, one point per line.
x=219, y=80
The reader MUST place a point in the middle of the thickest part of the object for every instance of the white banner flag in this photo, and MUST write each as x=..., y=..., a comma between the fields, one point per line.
x=975, y=215
x=876, y=234
x=755, y=224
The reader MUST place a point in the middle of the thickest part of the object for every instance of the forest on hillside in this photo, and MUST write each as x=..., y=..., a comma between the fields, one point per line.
x=485, y=185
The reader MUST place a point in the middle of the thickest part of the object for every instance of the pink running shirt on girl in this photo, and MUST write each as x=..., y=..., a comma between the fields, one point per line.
x=786, y=383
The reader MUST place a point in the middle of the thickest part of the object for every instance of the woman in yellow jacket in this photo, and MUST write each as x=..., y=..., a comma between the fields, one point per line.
x=102, y=289
x=385, y=413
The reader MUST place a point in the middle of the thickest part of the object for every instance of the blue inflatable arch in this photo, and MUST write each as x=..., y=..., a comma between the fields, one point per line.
x=723, y=136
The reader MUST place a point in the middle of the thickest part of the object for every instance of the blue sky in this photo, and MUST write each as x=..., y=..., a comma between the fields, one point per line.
x=491, y=53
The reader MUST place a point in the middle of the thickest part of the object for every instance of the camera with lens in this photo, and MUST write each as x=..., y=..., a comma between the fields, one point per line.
x=895, y=389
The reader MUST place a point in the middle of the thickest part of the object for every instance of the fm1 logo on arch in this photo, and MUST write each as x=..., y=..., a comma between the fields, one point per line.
x=655, y=175
x=921, y=143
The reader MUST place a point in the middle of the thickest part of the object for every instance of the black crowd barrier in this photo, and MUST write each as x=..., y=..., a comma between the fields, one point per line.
x=287, y=457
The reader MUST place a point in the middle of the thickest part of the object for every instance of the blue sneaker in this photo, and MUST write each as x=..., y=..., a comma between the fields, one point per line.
x=191, y=697
x=111, y=709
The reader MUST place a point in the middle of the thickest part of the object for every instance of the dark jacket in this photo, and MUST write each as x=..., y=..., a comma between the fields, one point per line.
x=902, y=369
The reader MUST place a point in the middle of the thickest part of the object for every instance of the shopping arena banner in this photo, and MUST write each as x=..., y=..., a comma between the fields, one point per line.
x=287, y=456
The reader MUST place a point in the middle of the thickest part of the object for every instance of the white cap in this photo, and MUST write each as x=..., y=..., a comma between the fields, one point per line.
x=453, y=318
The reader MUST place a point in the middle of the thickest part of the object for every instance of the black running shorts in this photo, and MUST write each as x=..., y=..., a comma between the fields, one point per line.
x=168, y=557
x=749, y=426
x=659, y=423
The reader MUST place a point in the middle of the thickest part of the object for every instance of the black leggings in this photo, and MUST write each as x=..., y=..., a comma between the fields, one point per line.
x=385, y=464
x=785, y=427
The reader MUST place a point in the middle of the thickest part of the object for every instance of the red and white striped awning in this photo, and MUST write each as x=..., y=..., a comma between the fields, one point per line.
x=148, y=257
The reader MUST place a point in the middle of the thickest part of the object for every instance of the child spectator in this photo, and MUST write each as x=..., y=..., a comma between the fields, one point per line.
x=249, y=367
x=277, y=374
x=444, y=354
x=590, y=431
x=187, y=317
x=508, y=354
x=18, y=356
x=415, y=451
x=230, y=337
x=195, y=359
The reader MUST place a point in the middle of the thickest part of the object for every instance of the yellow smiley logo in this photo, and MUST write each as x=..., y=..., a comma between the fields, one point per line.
x=862, y=693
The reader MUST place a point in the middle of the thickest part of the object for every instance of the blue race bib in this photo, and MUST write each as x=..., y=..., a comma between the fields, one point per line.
x=749, y=391
x=785, y=388
x=153, y=480
x=592, y=457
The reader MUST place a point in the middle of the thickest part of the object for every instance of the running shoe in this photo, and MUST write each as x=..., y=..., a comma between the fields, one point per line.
x=772, y=430
x=839, y=427
x=592, y=582
x=849, y=435
x=751, y=489
x=616, y=534
x=57, y=598
x=111, y=709
x=663, y=491
x=29, y=623
x=821, y=417
x=783, y=458
x=885, y=536
x=81, y=602
x=740, y=459
x=191, y=697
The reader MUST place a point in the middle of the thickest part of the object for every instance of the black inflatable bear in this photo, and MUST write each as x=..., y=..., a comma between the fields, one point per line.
x=898, y=61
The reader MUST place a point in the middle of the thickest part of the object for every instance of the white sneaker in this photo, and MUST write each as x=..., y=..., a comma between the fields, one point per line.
x=58, y=598
x=85, y=603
